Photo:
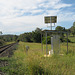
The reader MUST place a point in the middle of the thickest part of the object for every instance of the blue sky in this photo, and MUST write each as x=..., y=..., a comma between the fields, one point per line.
x=19, y=16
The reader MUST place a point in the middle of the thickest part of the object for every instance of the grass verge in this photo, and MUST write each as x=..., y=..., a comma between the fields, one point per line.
x=33, y=62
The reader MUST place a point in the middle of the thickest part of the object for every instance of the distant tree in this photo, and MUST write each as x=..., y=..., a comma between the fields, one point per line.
x=0, y=32
x=59, y=28
x=2, y=42
x=21, y=37
x=36, y=35
x=38, y=30
x=9, y=38
x=68, y=30
x=72, y=30
x=48, y=40
x=15, y=37
x=73, y=24
x=26, y=37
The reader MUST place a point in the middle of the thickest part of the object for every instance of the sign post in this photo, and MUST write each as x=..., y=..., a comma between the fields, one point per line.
x=51, y=19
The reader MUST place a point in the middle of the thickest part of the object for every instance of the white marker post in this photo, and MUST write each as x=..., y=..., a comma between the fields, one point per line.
x=51, y=22
x=51, y=45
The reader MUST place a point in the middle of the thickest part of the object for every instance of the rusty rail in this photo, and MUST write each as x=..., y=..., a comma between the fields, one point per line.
x=4, y=48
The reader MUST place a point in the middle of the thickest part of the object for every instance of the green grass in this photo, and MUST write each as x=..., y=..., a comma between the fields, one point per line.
x=9, y=42
x=33, y=62
x=72, y=39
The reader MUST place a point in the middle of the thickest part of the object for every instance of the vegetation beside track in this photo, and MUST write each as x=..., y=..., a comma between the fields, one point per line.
x=34, y=63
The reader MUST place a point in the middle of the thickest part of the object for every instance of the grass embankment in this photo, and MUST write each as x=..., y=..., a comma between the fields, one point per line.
x=34, y=63
x=9, y=42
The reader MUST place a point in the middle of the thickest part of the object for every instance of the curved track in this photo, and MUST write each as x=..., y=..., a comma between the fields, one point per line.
x=6, y=48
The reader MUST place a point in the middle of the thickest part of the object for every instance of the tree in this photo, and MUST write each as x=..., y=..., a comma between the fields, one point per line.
x=48, y=40
x=2, y=42
x=73, y=24
x=36, y=35
x=15, y=37
x=72, y=30
x=26, y=37
x=38, y=30
x=59, y=28
x=0, y=32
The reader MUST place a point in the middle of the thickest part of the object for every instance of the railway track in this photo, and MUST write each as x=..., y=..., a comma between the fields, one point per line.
x=4, y=50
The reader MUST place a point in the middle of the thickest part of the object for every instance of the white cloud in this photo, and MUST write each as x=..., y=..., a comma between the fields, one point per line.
x=66, y=17
x=18, y=15
x=21, y=24
x=62, y=6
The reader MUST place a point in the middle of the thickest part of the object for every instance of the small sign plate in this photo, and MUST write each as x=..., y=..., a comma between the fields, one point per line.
x=50, y=19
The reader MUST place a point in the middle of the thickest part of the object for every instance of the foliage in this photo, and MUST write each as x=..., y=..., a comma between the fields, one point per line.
x=74, y=24
x=59, y=28
x=26, y=37
x=48, y=40
x=34, y=62
x=8, y=38
x=72, y=29
x=15, y=37
x=34, y=36
x=2, y=42
x=64, y=39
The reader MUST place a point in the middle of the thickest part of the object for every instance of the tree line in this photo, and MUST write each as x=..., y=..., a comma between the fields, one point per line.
x=34, y=36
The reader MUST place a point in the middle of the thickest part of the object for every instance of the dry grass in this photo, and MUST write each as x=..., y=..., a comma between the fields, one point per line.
x=33, y=62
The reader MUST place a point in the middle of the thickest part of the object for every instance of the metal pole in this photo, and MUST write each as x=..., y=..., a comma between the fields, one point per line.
x=41, y=42
x=51, y=45
x=59, y=44
x=67, y=42
x=46, y=43
x=51, y=22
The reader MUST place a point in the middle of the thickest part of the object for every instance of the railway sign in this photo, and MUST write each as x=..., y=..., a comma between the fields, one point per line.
x=50, y=19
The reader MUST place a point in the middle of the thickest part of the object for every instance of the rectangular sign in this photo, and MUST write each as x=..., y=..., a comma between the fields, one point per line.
x=50, y=19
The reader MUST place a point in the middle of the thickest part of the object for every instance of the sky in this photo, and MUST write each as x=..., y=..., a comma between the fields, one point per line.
x=19, y=16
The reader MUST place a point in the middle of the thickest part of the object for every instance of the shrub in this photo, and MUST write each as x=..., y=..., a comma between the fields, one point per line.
x=1, y=42
x=48, y=40
x=64, y=40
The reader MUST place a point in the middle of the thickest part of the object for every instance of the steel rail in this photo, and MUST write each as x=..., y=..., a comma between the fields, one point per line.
x=4, y=48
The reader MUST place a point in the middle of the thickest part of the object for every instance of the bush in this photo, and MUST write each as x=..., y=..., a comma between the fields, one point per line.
x=1, y=42
x=64, y=40
x=34, y=62
x=48, y=40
